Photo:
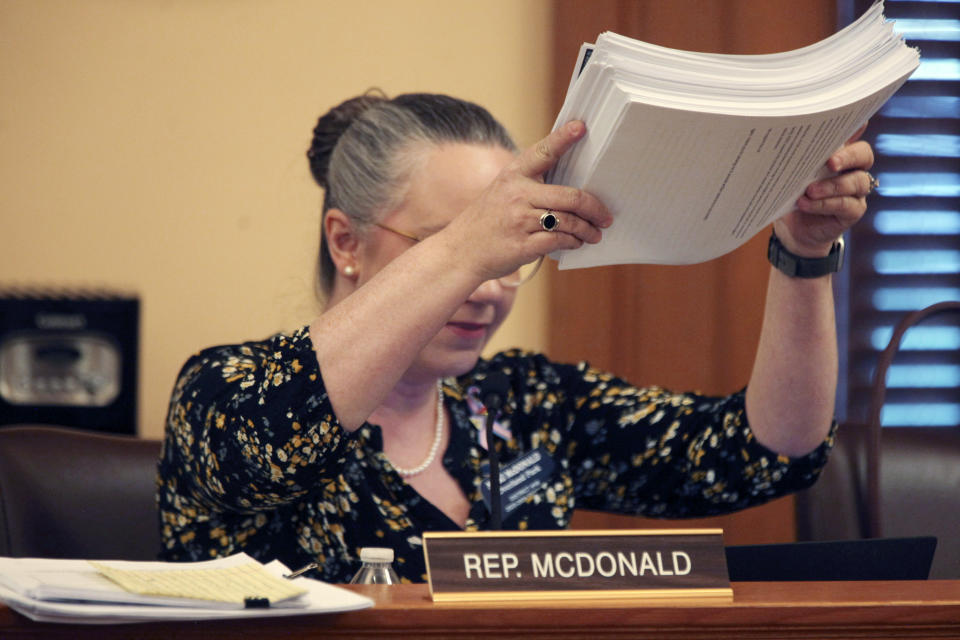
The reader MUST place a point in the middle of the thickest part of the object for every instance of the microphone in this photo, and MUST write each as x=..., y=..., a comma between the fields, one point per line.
x=494, y=389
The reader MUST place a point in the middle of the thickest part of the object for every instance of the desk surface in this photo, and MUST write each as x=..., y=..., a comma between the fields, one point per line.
x=929, y=609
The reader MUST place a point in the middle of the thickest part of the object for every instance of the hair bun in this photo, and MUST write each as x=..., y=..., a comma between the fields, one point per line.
x=331, y=126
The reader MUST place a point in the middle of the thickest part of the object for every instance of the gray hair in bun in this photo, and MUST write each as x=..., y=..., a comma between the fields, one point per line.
x=364, y=149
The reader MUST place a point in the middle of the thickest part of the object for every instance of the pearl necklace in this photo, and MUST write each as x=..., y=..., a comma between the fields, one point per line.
x=437, y=437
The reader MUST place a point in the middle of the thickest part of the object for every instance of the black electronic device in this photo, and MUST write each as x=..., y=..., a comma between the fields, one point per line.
x=867, y=559
x=69, y=358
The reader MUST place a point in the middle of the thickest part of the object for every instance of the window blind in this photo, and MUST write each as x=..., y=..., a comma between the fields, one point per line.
x=905, y=254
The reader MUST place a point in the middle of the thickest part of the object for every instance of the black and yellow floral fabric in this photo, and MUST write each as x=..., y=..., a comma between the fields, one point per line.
x=255, y=460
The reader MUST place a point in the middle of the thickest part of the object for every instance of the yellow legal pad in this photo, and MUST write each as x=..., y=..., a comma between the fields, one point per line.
x=236, y=585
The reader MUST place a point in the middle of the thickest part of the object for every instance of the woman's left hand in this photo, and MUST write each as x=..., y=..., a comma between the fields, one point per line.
x=830, y=206
x=790, y=396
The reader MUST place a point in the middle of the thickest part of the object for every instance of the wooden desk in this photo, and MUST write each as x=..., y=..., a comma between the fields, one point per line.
x=760, y=610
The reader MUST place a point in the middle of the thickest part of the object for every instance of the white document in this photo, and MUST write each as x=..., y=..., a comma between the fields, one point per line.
x=73, y=591
x=696, y=153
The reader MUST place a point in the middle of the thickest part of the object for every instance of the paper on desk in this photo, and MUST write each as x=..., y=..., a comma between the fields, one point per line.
x=231, y=586
x=174, y=584
x=37, y=588
x=695, y=153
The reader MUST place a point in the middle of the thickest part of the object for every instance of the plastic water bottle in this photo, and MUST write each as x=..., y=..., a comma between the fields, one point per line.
x=377, y=567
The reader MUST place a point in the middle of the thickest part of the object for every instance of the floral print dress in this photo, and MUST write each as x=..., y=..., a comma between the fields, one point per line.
x=255, y=460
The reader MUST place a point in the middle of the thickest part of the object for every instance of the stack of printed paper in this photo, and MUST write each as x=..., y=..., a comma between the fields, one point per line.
x=695, y=153
x=81, y=591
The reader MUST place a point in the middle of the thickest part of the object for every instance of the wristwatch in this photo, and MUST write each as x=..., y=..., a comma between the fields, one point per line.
x=799, y=267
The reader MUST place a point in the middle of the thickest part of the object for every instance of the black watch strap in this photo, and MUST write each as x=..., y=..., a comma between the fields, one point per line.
x=799, y=267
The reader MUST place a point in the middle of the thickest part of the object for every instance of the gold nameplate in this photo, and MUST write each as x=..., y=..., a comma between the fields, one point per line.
x=509, y=565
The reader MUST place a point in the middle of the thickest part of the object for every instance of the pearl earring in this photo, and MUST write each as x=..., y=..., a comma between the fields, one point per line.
x=349, y=271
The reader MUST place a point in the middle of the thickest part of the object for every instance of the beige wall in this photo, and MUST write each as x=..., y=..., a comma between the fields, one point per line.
x=158, y=146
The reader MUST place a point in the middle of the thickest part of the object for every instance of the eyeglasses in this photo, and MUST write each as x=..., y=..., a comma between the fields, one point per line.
x=512, y=280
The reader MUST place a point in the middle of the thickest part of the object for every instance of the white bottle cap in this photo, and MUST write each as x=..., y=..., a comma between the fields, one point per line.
x=376, y=554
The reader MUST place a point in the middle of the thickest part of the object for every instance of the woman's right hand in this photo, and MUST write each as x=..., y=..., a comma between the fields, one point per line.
x=500, y=231
x=363, y=357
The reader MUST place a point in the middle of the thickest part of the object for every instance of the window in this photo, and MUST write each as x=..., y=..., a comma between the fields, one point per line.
x=905, y=254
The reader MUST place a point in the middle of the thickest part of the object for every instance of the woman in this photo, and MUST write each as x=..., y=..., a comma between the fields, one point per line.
x=361, y=429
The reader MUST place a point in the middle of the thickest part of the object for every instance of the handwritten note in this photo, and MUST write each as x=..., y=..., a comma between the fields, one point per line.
x=239, y=585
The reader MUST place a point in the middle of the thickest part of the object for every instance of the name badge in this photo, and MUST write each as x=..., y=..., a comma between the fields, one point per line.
x=519, y=480
x=511, y=565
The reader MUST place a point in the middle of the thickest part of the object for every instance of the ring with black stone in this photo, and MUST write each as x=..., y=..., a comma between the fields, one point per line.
x=549, y=221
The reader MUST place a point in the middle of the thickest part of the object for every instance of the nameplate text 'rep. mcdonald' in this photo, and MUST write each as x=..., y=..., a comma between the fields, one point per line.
x=501, y=565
